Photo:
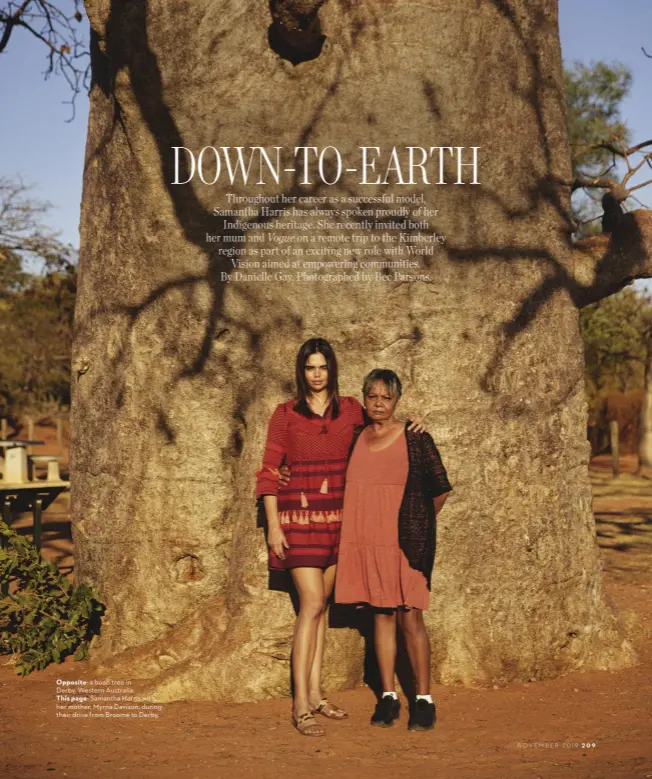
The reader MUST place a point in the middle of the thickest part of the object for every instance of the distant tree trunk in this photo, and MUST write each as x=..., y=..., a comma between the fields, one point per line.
x=645, y=427
x=177, y=372
x=614, y=437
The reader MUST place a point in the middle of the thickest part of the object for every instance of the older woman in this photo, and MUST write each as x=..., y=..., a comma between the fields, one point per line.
x=395, y=486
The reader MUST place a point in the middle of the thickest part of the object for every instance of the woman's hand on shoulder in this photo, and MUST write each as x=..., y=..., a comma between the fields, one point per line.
x=418, y=426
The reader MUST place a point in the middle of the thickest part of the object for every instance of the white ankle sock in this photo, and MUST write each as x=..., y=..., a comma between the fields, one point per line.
x=425, y=698
x=391, y=695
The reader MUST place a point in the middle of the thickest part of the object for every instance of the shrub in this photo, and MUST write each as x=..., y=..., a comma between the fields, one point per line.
x=45, y=618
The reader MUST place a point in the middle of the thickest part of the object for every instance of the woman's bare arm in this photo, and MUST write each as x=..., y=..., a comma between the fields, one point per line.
x=439, y=502
x=275, y=535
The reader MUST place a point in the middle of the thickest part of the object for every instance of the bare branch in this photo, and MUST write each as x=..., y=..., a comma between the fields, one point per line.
x=636, y=200
x=616, y=192
x=635, y=170
x=67, y=51
x=588, y=221
x=602, y=183
x=639, y=186
x=10, y=22
x=21, y=229
x=639, y=146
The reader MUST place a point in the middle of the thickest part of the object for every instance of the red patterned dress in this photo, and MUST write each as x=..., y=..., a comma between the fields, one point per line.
x=310, y=505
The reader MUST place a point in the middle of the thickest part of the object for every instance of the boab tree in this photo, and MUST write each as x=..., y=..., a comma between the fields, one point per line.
x=176, y=370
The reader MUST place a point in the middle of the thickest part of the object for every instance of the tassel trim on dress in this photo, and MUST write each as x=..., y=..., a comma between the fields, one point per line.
x=306, y=517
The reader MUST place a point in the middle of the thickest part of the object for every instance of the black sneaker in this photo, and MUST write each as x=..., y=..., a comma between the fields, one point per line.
x=422, y=716
x=387, y=710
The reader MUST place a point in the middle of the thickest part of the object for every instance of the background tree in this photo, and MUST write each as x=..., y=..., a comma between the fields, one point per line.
x=594, y=95
x=24, y=238
x=617, y=339
x=57, y=27
x=179, y=369
x=615, y=332
x=36, y=308
x=12, y=276
x=36, y=330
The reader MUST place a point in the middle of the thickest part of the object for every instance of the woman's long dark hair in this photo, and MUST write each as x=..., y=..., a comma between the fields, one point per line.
x=316, y=346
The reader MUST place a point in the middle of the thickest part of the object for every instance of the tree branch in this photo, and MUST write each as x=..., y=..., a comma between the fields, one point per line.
x=10, y=22
x=605, y=263
x=616, y=192
x=603, y=183
x=638, y=186
x=59, y=32
x=639, y=146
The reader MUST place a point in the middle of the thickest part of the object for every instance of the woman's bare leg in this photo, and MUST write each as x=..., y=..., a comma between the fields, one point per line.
x=385, y=645
x=418, y=647
x=312, y=602
x=314, y=681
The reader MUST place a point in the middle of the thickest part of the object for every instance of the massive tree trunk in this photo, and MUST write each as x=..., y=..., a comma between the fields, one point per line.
x=176, y=372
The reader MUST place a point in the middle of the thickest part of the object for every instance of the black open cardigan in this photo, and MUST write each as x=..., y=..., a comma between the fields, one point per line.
x=427, y=478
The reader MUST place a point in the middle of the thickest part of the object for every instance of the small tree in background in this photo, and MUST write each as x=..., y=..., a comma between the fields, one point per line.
x=613, y=330
x=594, y=96
x=617, y=333
x=36, y=309
x=36, y=327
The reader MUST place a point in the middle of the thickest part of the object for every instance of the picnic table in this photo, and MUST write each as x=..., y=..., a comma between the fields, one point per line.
x=18, y=493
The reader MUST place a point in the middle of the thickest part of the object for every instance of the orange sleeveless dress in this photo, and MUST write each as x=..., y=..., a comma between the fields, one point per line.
x=371, y=567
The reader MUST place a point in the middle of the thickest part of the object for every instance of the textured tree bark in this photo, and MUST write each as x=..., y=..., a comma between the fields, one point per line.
x=177, y=373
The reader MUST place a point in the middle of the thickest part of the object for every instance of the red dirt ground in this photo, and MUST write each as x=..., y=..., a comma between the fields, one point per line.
x=581, y=726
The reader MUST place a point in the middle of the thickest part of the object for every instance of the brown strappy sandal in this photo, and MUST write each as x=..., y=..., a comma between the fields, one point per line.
x=327, y=709
x=304, y=727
